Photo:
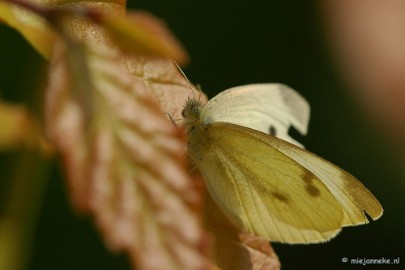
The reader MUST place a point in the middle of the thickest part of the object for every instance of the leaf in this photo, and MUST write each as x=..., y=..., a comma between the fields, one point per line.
x=167, y=85
x=137, y=32
x=262, y=255
x=234, y=249
x=32, y=27
x=144, y=34
x=41, y=36
x=125, y=161
x=17, y=128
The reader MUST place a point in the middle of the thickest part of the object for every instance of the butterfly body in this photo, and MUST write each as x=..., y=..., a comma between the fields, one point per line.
x=268, y=186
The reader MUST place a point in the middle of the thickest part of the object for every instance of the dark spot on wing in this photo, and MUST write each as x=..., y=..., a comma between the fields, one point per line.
x=310, y=188
x=280, y=197
x=272, y=131
x=307, y=177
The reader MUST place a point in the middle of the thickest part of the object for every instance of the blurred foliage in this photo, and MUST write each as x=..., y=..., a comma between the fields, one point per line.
x=233, y=43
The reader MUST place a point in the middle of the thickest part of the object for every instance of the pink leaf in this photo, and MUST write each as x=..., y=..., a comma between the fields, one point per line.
x=125, y=160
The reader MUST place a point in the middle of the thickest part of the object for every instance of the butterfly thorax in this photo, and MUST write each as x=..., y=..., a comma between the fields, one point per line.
x=194, y=120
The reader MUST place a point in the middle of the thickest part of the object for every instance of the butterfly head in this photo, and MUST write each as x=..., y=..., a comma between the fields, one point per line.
x=191, y=112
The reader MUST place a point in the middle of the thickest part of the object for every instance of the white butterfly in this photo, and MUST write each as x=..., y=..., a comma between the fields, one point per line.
x=266, y=185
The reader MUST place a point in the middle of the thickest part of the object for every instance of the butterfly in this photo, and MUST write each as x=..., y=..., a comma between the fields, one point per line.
x=266, y=184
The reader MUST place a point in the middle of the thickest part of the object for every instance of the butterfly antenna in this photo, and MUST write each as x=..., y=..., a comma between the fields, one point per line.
x=171, y=119
x=185, y=77
x=200, y=92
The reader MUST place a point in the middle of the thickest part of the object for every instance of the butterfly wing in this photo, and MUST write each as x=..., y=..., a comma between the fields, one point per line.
x=270, y=108
x=352, y=195
x=262, y=190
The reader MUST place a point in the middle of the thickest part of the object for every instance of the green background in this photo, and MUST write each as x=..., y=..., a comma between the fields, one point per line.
x=234, y=43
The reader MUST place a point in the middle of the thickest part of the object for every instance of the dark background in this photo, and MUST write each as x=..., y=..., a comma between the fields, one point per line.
x=234, y=43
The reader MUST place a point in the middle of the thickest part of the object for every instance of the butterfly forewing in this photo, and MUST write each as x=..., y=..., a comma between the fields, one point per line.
x=351, y=194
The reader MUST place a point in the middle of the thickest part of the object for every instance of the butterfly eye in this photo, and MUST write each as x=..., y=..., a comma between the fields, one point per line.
x=196, y=110
x=272, y=131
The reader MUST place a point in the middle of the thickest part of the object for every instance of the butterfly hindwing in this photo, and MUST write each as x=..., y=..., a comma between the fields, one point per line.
x=270, y=108
x=263, y=190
